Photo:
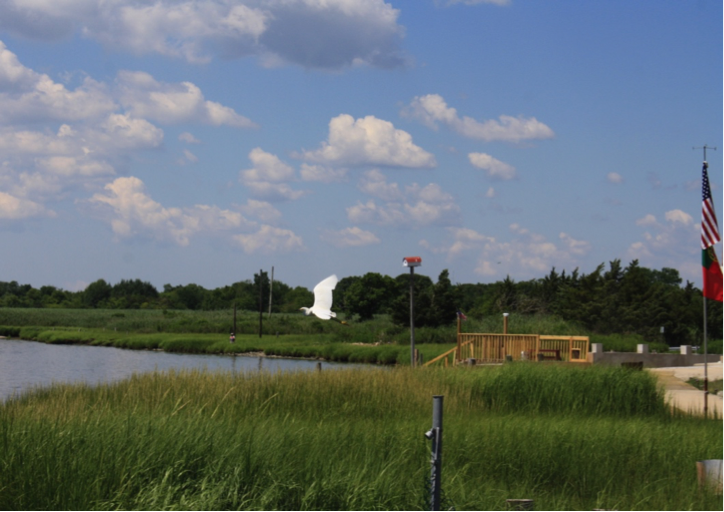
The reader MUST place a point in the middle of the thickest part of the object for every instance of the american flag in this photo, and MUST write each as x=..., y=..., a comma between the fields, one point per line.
x=461, y=315
x=709, y=226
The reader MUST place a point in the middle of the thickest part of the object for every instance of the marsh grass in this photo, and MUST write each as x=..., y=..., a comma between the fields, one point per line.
x=378, y=330
x=320, y=346
x=352, y=439
x=374, y=341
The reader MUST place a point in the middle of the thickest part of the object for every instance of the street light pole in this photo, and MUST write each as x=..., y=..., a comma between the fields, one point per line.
x=412, y=262
x=412, y=317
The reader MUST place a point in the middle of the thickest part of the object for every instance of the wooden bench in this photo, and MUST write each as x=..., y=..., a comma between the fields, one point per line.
x=555, y=354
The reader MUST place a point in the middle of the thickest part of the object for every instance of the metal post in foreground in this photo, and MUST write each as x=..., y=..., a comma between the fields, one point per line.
x=435, y=435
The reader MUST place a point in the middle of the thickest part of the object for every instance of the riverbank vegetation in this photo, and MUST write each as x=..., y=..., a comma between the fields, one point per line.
x=615, y=305
x=292, y=335
x=568, y=438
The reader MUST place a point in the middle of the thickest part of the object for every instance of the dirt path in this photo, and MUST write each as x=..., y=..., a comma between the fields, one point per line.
x=686, y=397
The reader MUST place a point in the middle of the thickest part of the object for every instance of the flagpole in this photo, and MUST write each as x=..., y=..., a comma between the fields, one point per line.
x=706, y=365
x=706, y=347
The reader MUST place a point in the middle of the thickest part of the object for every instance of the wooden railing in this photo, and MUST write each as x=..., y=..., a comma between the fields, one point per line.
x=497, y=348
x=494, y=347
x=447, y=357
x=569, y=348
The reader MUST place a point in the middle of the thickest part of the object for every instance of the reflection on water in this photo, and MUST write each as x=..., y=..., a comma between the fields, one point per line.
x=25, y=365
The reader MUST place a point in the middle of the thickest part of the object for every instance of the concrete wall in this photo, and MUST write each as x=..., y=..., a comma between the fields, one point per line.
x=684, y=358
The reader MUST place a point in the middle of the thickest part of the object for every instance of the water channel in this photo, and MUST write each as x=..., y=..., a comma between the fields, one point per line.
x=25, y=365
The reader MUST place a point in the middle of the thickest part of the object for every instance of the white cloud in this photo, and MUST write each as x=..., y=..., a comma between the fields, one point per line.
x=432, y=109
x=577, y=247
x=15, y=208
x=127, y=132
x=267, y=167
x=13, y=75
x=188, y=138
x=329, y=34
x=42, y=165
x=371, y=213
x=166, y=103
x=28, y=96
x=672, y=243
x=187, y=158
x=525, y=253
x=414, y=207
x=270, y=240
x=268, y=177
x=375, y=184
x=368, y=141
x=74, y=166
x=131, y=212
x=262, y=210
x=321, y=173
x=273, y=191
x=646, y=220
x=614, y=177
x=492, y=166
x=350, y=237
x=678, y=216
x=465, y=239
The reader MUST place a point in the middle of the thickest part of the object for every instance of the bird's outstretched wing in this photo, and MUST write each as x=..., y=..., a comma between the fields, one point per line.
x=323, y=298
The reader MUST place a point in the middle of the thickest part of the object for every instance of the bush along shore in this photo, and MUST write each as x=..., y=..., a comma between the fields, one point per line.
x=569, y=438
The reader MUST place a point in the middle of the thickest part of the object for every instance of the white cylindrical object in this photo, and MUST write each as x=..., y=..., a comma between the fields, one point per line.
x=709, y=474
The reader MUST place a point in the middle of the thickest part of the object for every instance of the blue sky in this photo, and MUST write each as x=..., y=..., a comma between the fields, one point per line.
x=198, y=141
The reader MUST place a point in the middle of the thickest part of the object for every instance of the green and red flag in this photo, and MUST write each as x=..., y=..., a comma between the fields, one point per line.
x=709, y=236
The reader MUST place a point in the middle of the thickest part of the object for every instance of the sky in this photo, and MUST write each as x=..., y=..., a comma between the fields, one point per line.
x=199, y=141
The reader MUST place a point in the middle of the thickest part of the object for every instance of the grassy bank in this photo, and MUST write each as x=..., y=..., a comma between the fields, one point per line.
x=318, y=346
x=569, y=438
x=380, y=330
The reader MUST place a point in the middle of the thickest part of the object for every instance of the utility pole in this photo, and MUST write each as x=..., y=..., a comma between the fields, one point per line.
x=704, y=147
x=271, y=289
x=706, y=348
x=261, y=299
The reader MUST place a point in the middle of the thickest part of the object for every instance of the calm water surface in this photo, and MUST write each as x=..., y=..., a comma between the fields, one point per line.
x=25, y=365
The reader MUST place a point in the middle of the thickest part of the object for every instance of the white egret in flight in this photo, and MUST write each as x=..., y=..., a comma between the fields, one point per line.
x=322, y=307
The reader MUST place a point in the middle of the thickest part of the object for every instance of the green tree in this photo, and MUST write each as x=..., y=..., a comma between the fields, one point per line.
x=444, y=301
x=97, y=293
x=372, y=294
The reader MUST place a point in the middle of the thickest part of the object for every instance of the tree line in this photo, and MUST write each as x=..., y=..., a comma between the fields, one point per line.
x=611, y=299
